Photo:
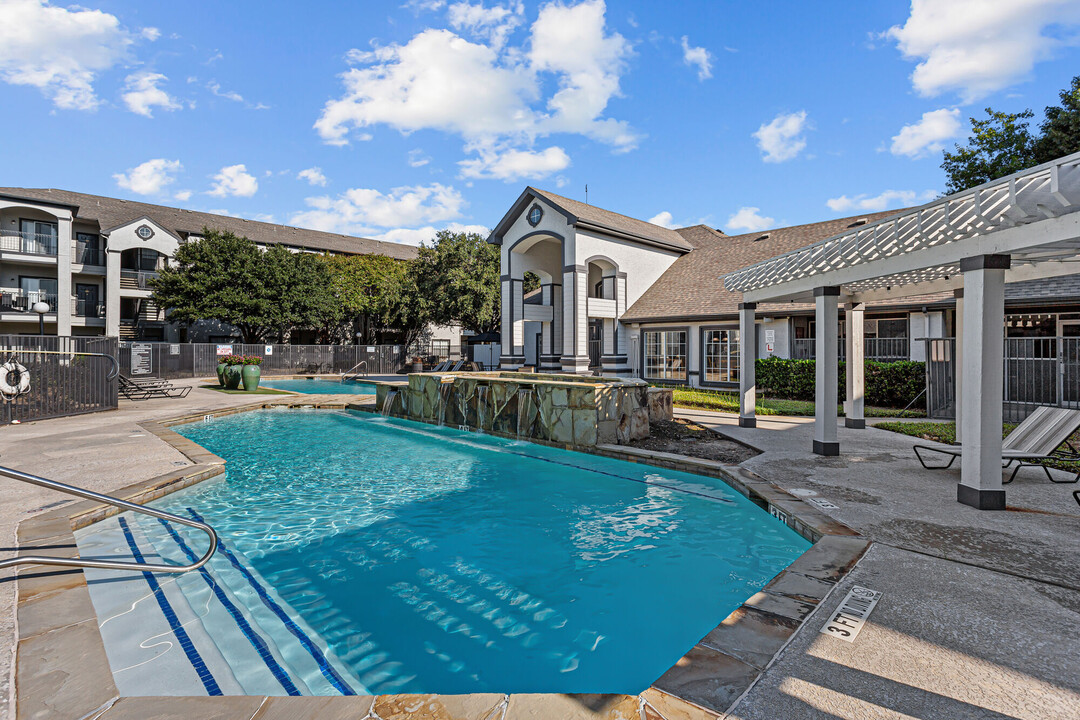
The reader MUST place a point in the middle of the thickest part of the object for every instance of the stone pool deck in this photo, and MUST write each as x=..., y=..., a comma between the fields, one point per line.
x=980, y=616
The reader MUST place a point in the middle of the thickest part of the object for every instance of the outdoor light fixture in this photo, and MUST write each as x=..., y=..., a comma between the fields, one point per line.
x=41, y=307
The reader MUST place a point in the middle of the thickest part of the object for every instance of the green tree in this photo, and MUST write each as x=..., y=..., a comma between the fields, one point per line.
x=1060, y=131
x=531, y=282
x=218, y=277
x=999, y=145
x=371, y=289
x=457, y=281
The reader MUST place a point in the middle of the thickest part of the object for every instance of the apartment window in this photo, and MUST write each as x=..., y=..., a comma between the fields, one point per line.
x=88, y=249
x=665, y=354
x=38, y=289
x=721, y=355
x=38, y=237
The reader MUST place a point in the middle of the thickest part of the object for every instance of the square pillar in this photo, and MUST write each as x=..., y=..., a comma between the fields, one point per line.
x=983, y=386
x=855, y=377
x=747, y=371
x=826, y=382
x=958, y=354
x=112, y=293
x=575, y=327
x=64, y=296
x=512, y=323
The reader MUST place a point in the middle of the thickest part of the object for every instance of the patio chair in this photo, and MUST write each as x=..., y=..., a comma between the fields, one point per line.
x=146, y=388
x=441, y=367
x=457, y=366
x=1044, y=435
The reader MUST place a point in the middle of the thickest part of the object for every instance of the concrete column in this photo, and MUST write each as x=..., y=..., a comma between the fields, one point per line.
x=747, y=371
x=575, y=354
x=509, y=359
x=826, y=383
x=984, y=345
x=63, y=276
x=856, y=368
x=112, y=293
x=958, y=365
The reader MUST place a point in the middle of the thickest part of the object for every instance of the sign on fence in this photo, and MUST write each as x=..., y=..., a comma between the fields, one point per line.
x=140, y=359
x=224, y=350
x=268, y=350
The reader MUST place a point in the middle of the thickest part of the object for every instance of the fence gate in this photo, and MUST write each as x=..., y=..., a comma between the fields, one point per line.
x=68, y=376
x=940, y=377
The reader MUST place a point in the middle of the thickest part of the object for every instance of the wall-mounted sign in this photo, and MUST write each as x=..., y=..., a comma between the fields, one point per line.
x=769, y=347
x=224, y=350
x=770, y=336
x=141, y=359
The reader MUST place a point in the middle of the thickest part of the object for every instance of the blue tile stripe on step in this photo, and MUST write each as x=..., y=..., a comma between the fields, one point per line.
x=245, y=627
x=324, y=666
x=182, y=637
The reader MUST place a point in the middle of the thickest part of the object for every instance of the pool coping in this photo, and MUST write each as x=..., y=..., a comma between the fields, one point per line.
x=61, y=669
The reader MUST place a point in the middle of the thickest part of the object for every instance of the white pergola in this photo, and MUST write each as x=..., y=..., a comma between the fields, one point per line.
x=1021, y=227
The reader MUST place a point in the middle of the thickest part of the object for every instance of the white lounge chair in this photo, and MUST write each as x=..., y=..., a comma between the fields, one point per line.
x=1044, y=435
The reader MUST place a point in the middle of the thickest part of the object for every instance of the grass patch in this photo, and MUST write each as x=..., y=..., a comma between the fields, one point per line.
x=260, y=391
x=719, y=401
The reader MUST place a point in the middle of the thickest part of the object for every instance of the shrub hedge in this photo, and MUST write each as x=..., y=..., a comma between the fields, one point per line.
x=892, y=384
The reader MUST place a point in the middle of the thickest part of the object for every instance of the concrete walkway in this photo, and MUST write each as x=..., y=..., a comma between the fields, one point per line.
x=980, y=616
x=100, y=452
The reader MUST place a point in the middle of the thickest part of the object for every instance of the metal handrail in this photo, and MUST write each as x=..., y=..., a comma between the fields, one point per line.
x=353, y=377
x=116, y=502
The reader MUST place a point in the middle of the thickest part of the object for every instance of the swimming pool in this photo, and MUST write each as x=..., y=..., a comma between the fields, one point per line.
x=373, y=555
x=319, y=385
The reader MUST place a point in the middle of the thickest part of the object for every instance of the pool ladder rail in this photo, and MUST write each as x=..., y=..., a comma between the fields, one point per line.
x=352, y=374
x=116, y=502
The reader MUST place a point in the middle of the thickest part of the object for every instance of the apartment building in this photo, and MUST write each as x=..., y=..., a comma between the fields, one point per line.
x=88, y=259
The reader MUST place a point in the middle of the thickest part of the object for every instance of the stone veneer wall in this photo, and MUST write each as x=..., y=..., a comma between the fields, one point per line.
x=569, y=410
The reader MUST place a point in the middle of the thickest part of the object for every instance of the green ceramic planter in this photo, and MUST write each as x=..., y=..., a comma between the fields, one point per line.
x=221, y=374
x=232, y=377
x=251, y=375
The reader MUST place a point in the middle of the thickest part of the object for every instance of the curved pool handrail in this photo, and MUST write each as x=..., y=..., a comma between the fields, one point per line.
x=350, y=375
x=116, y=502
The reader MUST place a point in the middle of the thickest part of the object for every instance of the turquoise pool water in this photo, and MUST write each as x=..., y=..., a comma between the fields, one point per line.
x=431, y=560
x=318, y=386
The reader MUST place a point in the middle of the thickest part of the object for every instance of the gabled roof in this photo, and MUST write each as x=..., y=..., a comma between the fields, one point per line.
x=692, y=288
x=590, y=217
x=113, y=212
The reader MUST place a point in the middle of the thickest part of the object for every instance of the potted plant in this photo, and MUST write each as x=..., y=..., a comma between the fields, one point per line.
x=251, y=372
x=232, y=372
x=221, y=365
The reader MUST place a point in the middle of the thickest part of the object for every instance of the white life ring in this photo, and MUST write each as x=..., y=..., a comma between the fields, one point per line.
x=17, y=385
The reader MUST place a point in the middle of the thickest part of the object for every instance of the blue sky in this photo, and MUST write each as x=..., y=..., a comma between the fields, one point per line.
x=393, y=119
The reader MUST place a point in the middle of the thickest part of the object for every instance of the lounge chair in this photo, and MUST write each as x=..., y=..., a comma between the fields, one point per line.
x=457, y=366
x=1044, y=435
x=441, y=367
x=146, y=388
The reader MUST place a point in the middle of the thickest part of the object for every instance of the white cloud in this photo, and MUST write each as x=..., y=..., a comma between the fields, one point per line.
x=215, y=88
x=358, y=210
x=417, y=236
x=183, y=195
x=976, y=47
x=235, y=181
x=560, y=80
x=59, y=50
x=149, y=178
x=663, y=219
x=699, y=57
x=150, y=33
x=494, y=24
x=927, y=135
x=782, y=137
x=509, y=164
x=142, y=94
x=417, y=158
x=749, y=219
x=314, y=176
x=876, y=203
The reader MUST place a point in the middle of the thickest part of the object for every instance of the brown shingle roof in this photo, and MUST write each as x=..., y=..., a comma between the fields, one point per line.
x=111, y=212
x=692, y=288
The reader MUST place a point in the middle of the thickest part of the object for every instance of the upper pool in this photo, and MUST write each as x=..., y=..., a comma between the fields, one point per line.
x=319, y=385
x=423, y=559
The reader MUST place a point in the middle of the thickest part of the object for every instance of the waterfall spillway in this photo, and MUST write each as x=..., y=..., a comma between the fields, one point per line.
x=481, y=405
x=524, y=410
x=389, y=402
x=444, y=399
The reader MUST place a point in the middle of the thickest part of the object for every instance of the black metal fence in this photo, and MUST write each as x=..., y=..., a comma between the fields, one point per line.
x=1036, y=371
x=876, y=349
x=192, y=360
x=63, y=380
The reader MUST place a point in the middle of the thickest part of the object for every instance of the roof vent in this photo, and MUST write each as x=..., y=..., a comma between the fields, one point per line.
x=766, y=236
x=858, y=222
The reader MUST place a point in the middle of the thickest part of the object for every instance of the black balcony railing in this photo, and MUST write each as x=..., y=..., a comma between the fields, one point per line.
x=86, y=308
x=23, y=300
x=88, y=256
x=29, y=243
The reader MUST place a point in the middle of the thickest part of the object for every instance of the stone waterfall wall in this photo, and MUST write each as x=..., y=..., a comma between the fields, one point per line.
x=571, y=412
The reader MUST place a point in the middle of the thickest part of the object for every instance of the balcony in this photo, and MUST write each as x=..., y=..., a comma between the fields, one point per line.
x=86, y=309
x=136, y=279
x=82, y=255
x=23, y=300
x=27, y=243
